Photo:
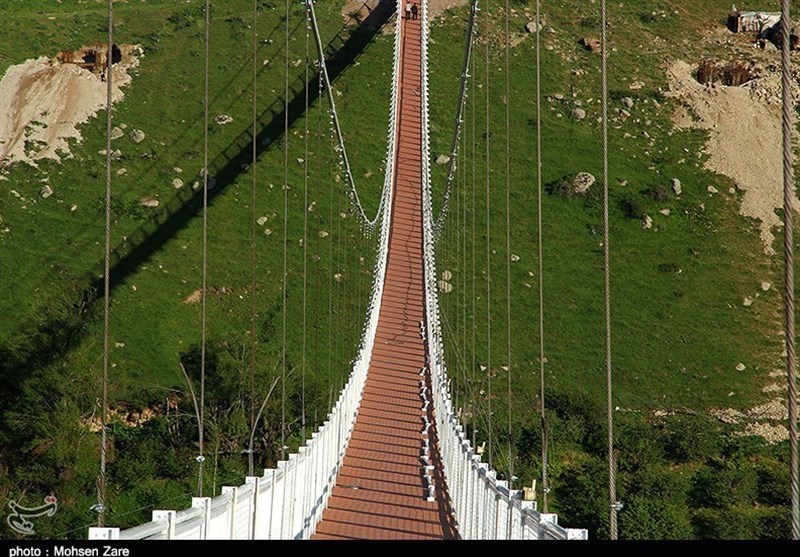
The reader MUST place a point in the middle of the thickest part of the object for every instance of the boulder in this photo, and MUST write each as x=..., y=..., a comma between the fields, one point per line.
x=591, y=44
x=137, y=136
x=531, y=27
x=583, y=181
x=577, y=114
x=223, y=119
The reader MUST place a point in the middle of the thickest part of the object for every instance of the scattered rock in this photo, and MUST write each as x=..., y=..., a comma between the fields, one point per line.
x=178, y=170
x=765, y=286
x=122, y=171
x=337, y=277
x=577, y=114
x=442, y=160
x=531, y=27
x=73, y=208
x=445, y=287
x=116, y=155
x=268, y=231
x=664, y=212
x=558, y=97
x=676, y=186
x=647, y=223
x=712, y=190
x=583, y=181
x=148, y=202
x=627, y=102
x=177, y=183
x=137, y=136
x=636, y=85
x=740, y=367
x=119, y=345
x=772, y=434
x=727, y=415
x=116, y=133
x=514, y=257
x=261, y=221
x=591, y=44
x=323, y=234
x=46, y=191
x=222, y=120
x=747, y=302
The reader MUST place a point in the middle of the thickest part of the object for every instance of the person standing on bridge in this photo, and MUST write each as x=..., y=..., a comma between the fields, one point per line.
x=408, y=10
x=414, y=11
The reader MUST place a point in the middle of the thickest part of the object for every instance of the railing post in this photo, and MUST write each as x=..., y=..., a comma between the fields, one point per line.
x=234, y=491
x=205, y=504
x=255, y=507
x=103, y=533
x=169, y=516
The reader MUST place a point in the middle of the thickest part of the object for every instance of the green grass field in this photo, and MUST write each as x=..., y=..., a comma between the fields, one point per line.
x=679, y=325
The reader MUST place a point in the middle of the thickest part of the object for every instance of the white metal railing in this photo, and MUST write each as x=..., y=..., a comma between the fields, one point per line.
x=483, y=505
x=287, y=502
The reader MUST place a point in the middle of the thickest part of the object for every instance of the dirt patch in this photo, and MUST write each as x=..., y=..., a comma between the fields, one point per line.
x=43, y=101
x=744, y=140
x=132, y=417
x=194, y=298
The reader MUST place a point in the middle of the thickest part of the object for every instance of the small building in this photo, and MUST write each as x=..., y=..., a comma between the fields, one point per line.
x=753, y=22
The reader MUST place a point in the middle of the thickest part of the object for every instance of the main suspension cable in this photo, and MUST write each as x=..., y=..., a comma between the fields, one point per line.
x=459, y=119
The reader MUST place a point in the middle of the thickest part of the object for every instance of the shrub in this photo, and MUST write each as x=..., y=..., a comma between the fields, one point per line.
x=724, y=484
x=632, y=207
x=655, y=519
x=688, y=437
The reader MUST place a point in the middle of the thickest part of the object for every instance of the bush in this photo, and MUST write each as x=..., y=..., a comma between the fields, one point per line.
x=637, y=445
x=724, y=484
x=581, y=493
x=728, y=524
x=688, y=437
x=655, y=519
x=773, y=484
x=775, y=524
x=632, y=207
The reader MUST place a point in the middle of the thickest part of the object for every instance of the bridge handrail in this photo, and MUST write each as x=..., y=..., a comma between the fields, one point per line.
x=483, y=506
x=266, y=507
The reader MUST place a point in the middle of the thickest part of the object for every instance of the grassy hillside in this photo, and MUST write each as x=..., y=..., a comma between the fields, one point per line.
x=680, y=327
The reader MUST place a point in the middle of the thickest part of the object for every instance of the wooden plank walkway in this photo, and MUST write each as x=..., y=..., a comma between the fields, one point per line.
x=380, y=492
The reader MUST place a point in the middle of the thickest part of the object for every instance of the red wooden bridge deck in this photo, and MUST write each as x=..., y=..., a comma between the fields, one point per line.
x=380, y=492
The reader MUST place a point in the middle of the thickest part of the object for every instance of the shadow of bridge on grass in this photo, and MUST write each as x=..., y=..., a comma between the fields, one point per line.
x=45, y=341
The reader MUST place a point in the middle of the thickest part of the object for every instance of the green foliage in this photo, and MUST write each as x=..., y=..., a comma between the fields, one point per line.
x=723, y=484
x=690, y=437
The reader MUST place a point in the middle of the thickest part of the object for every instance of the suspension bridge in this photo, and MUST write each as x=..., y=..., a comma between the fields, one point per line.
x=392, y=460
